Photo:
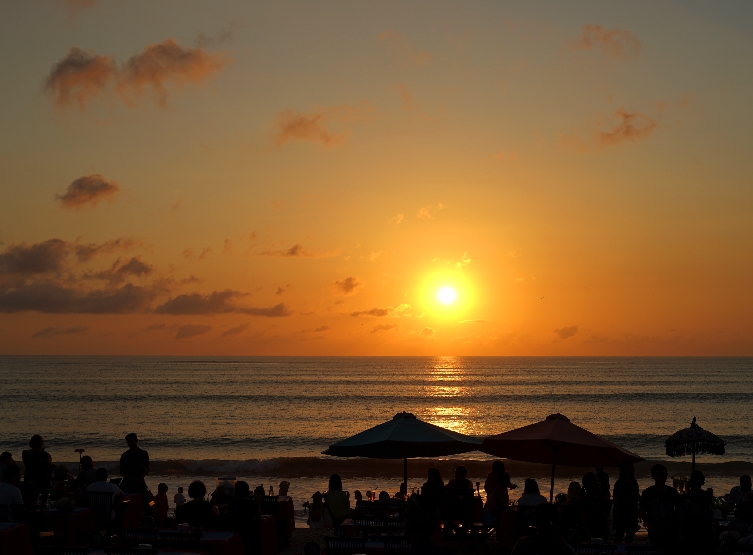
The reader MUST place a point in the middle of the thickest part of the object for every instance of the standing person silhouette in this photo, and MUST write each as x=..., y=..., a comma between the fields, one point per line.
x=134, y=466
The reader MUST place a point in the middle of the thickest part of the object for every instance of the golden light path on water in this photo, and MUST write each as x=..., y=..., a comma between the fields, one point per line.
x=448, y=375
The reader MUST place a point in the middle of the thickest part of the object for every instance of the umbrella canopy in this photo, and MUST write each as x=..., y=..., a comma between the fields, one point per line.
x=404, y=437
x=694, y=440
x=555, y=441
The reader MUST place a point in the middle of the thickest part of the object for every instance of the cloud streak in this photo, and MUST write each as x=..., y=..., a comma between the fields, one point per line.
x=348, y=286
x=385, y=327
x=376, y=312
x=217, y=302
x=298, y=251
x=48, y=333
x=53, y=298
x=82, y=76
x=292, y=125
x=191, y=330
x=566, y=332
x=625, y=126
x=614, y=44
x=88, y=191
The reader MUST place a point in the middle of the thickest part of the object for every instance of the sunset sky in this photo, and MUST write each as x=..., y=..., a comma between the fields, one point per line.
x=292, y=178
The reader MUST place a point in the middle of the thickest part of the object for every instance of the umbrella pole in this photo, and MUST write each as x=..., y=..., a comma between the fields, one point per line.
x=692, y=466
x=405, y=475
x=554, y=466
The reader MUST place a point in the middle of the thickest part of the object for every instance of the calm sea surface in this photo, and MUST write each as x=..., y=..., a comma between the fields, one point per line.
x=265, y=408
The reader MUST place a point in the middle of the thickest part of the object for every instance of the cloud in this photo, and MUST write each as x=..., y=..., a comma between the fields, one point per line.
x=614, y=44
x=320, y=329
x=624, y=126
x=566, y=332
x=377, y=312
x=396, y=220
x=224, y=35
x=86, y=252
x=298, y=251
x=385, y=327
x=191, y=330
x=88, y=190
x=75, y=7
x=348, y=286
x=472, y=322
x=163, y=64
x=428, y=210
x=234, y=331
x=83, y=76
x=39, y=258
x=155, y=327
x=428, y=332
x=409, y=103
x=292, y=125
x=217, y=302
x=120, y=271
x=53, y=298
x=402, y=51
x=50, y=332
x=464, y=261
x=79, y=77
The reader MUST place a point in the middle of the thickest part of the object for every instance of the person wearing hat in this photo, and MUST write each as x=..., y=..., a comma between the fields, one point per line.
x=134, y=466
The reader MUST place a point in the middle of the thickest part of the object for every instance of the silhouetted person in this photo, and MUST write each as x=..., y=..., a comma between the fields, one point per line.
x=160, y=504
x=459, y=497
x=337, y=501
x=569, y=517
x=546, y=540
x=603, y=479
x=493, y=478
x=102, y=485
x=179, y=499
x=433, y=488
x=626, y=502
x=421, y=519
x=60, y=484
x=659, y=505
x=37, y=463
x=134, y=466
x=9, y=492
x=737, y=494
x=497, y=502
x=244, y=514
x=198, y=512
x=531, y=495
x=88, y=474
x=593, y=508
x=6, y=461
x=696, y=507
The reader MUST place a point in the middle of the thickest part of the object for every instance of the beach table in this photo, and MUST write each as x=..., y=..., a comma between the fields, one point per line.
x=268, y=536
x=15, y=539
x=220, y=542
x=70, y=527
x=134, y=514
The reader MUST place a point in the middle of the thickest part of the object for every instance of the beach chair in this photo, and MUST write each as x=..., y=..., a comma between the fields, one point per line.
x=179, y=540
x=369, y=525
x=344, y=546
x=594, y=549
x=135, y=537
x=644, y=550
x=100, y=503
x=396, y=546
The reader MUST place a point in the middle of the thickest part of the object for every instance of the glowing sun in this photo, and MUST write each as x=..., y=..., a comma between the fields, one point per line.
x=446, y=295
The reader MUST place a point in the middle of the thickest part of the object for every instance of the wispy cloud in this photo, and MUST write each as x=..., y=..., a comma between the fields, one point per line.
x=348, y=286
x=230, y=332
x=403, y=51
x=83, y=76
x=88, y=191
x=428, y=332
x=566, y=332
x=75, y=7
x=298, y=251
x=217, y=302
x=39, y=258
x=614, y=44
x=624, y=126
x=464, y=261
x=376, y=312
x=53, y=298
x=292, y=125
x=120, y=270
x=472, y=322
x=385, y=327
x=79, y=77
x=52, y=331
x=428, y=210
x=191, y=330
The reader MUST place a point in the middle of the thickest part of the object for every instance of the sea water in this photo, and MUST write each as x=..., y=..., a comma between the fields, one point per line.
x=269, y=418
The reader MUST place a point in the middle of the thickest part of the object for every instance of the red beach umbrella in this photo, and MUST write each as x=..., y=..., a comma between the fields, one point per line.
x=556, y=440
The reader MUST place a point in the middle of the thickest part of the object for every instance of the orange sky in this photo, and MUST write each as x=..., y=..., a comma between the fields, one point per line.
x=298, y=178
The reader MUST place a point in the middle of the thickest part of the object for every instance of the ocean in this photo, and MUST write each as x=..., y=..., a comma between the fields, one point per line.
x=269, y=418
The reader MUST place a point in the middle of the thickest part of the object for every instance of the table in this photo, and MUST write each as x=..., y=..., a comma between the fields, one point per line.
x=15, y=539
x=70, y=527
x=268, y=536
x=221, y=542
x=134, y=515
x=286, y=513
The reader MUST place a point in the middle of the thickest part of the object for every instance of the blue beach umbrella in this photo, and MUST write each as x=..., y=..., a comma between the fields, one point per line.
x=404, y=437
x=693, y=440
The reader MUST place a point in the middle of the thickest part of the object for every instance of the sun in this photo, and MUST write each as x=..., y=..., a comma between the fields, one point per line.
x=446, y=295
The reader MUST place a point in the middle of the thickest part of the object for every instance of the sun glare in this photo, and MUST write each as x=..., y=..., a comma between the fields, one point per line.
x=446, y=295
